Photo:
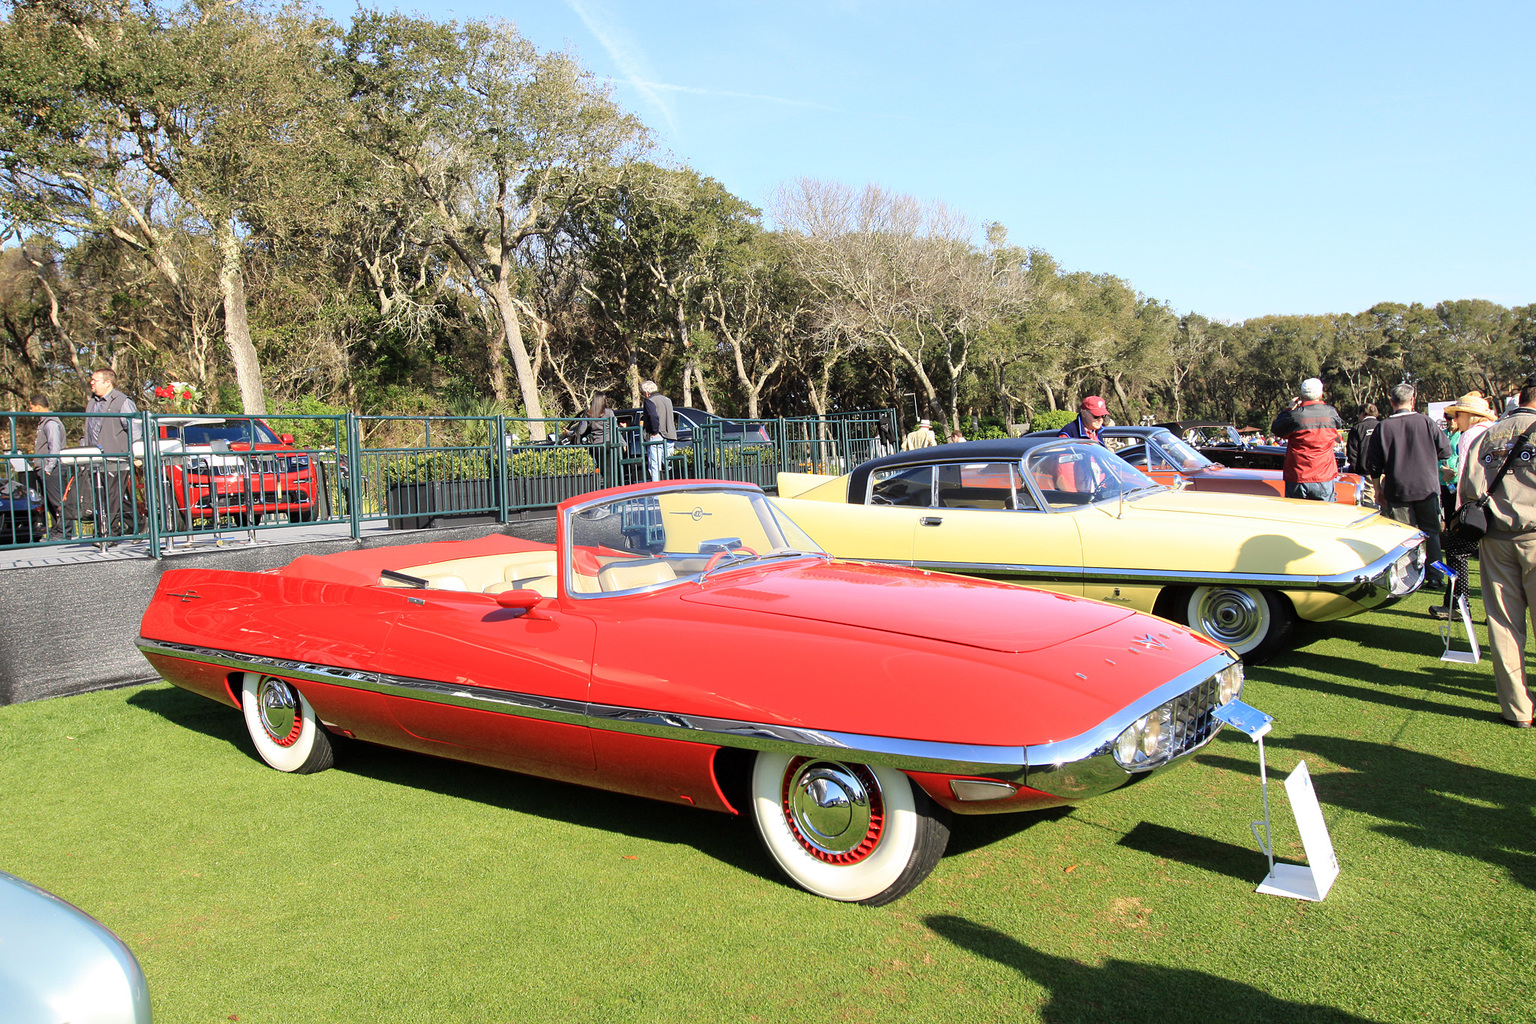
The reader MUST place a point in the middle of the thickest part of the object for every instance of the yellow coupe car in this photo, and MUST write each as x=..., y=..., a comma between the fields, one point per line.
x=1070, y=516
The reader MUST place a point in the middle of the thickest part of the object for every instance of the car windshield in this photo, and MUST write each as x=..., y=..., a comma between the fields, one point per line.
x=1176, y=454
x=234, y=431
x=1079, y=474
x=662, y=538
x=1213, y=434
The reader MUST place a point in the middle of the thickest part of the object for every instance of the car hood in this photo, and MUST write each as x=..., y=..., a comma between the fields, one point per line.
x=953, y=609
x=1251, y=507
x=1216, y=471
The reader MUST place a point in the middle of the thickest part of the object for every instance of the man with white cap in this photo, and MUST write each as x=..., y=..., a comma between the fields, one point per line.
x=922, y=437
x=1311, y=430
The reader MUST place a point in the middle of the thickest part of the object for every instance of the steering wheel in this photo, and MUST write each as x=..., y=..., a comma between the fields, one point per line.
x=715, y=558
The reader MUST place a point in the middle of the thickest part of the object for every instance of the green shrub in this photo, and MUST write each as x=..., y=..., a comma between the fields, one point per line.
x=422, y=467
x=748, y=454
x=552, y=460
x=1053, y=419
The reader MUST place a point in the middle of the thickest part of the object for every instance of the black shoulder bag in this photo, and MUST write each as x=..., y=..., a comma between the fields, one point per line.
x=1469, y=522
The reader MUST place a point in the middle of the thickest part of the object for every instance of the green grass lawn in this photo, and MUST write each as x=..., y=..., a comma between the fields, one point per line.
x=402, y=888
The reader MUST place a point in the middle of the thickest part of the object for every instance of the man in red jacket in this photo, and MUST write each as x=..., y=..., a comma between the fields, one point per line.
x=1311, y=429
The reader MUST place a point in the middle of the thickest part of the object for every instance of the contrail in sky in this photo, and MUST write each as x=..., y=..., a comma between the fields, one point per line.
x=624, y=52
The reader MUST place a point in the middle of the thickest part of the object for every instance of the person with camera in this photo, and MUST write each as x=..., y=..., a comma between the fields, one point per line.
x=1500, y=466
x=1311, y=429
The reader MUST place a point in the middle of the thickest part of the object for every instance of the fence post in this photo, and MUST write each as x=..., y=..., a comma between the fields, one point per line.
x=150, y=432
x=354, y=476
x=499, y=462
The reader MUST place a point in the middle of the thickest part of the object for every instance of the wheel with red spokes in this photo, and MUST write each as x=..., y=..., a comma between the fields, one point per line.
x=852, y=832
x=283, y=726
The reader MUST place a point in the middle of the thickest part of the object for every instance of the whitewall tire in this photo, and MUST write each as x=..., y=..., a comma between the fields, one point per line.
x=283, y=726
x=1253, y=622
x=851, y=832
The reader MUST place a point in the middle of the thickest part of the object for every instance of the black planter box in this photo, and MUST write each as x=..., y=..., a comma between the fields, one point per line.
x=414, y=506
x=533, y=491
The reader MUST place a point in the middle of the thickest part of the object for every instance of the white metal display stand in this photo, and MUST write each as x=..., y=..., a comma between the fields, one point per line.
x=1468, y=657
x=1303, y=882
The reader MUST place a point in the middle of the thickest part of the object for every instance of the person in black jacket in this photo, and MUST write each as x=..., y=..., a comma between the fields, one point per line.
x=1405, y=451
x=1354, y=451
x=660, y=429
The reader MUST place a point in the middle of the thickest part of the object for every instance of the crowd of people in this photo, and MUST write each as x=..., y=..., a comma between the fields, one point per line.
x=1421, y=471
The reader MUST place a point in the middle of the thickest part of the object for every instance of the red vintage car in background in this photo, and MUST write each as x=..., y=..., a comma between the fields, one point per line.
x=689, y=643
x=236, y=467
x=1169, y=459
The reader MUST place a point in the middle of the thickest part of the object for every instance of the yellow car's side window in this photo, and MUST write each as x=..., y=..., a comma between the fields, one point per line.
x=911, y=487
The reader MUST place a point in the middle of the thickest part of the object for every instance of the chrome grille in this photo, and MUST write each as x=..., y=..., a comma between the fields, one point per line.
x=1190, y=717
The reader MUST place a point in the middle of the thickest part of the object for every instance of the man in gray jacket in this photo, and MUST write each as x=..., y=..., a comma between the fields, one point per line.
x=660, y=429
x=113, y=428
x=1507, y=554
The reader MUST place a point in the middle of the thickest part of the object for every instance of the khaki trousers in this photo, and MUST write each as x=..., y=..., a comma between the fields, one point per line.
x=1509, y=595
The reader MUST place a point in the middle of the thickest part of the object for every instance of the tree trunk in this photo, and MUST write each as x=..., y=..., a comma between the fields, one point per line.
x=237, y=328
x=497, y=368
x=521, y=364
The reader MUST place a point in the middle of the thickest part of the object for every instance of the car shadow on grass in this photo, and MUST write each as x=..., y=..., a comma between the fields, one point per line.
x=1429, y=682
x=970, y=832
x=1409, y=632
x=728, y=839
x=1426, y=801
x=1125, y=991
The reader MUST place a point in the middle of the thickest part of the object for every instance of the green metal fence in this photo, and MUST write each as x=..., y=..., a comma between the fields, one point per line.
x=235, y=476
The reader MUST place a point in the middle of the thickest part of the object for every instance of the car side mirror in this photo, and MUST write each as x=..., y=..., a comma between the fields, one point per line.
x=524, y=601
x=285, y=438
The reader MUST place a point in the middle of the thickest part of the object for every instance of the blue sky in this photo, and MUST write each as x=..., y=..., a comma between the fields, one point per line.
x=1232, y=159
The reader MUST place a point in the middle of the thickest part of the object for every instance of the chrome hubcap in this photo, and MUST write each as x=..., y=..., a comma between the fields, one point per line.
x=278, y=707
x=1231, y=616
x=834, y=809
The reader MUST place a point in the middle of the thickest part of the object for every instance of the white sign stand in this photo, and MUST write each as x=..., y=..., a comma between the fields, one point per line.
x=1310, y=882
x=1473, y=656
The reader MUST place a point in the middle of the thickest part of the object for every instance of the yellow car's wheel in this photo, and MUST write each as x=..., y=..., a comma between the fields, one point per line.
x=1253, y=622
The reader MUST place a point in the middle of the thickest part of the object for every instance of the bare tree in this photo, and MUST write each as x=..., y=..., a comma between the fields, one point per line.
x=905, y=274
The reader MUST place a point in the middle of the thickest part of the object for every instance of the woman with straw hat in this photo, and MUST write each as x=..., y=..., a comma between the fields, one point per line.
x=1470, y=415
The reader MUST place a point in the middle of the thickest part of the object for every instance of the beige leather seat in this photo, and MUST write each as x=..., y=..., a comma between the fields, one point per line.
x=545, y=585
x=633, y=575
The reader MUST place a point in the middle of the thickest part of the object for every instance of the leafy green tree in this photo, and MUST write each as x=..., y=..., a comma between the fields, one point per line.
x=497, y=141
x=124, y=112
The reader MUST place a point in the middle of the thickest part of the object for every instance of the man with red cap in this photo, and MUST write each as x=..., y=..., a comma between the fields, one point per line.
x=1090, y=417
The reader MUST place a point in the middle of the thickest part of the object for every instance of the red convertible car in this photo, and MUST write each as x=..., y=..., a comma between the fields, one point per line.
x=689, y=643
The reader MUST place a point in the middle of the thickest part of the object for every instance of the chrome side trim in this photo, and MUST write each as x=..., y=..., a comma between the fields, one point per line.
x=1373, y=574
x=1073, y=767
x=958, y=758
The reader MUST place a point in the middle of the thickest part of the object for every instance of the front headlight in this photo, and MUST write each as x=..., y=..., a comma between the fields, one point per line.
x=1147, y=740
x=1406, y=573
x=1229, y=683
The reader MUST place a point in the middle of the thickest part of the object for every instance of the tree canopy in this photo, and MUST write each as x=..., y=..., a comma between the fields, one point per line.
x=387, y=215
